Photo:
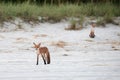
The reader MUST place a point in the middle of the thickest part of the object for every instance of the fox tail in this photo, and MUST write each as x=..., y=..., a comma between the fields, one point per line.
x=48, y=58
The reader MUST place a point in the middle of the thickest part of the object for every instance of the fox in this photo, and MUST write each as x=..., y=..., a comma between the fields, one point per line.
x=92, y=33
x=44, y=52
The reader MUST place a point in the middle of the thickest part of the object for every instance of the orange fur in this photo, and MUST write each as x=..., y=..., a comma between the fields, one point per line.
x=92, y=34
x=44, y=52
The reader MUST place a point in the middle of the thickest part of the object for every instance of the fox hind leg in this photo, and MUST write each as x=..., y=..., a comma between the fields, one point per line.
x=43, y=59
x=48, y=57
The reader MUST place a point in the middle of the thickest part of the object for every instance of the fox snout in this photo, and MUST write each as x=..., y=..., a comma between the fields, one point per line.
x=36, y=48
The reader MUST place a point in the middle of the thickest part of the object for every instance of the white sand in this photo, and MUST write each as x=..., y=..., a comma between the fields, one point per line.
x=74, y=56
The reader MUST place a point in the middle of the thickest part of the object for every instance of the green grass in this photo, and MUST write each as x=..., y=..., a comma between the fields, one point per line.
x=31, y=12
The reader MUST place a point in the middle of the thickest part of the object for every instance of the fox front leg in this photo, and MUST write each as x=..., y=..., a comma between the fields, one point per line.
x=37, y=59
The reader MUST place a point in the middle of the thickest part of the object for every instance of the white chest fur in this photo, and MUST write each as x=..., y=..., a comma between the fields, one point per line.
x=37, y=51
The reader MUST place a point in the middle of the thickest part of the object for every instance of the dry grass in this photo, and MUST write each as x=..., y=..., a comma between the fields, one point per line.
x=21, y=40
x=30, y=12
x=60, y=44
x=41, y=35
x=110, y=42
x=89, y=40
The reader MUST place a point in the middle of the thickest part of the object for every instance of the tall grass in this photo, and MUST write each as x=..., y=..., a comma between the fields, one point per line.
x=31, y=12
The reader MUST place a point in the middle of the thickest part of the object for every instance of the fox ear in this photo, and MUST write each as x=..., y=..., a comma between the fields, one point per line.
x=39, y=44
x=34, y=43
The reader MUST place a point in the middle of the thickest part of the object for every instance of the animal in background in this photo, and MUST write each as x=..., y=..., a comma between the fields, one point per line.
x=92, y=32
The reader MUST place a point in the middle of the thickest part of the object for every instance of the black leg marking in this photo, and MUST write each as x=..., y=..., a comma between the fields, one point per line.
x=37, y=59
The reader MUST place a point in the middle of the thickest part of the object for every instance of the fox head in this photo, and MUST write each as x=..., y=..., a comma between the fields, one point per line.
x=93, y=25
x=36, y=46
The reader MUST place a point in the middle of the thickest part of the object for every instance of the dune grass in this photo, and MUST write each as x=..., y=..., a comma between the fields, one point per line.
x=31, y=12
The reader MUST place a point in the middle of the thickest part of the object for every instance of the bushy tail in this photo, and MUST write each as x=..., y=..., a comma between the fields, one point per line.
x=48, y=58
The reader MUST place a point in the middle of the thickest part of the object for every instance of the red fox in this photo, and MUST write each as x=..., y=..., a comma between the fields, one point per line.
x=92, y=34
x=44, y=52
